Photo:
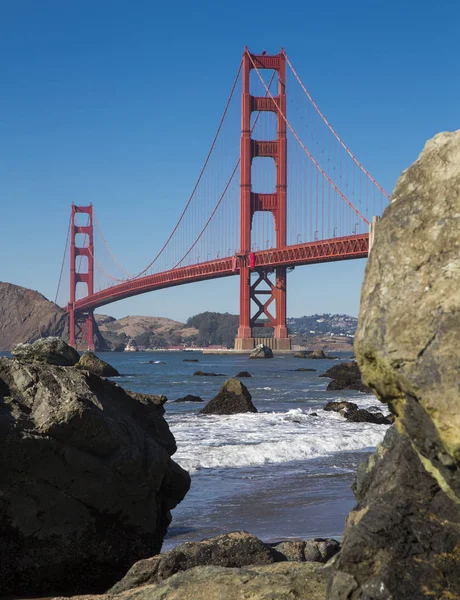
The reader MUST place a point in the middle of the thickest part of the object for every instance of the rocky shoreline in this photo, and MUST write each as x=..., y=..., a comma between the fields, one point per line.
x=87, y=480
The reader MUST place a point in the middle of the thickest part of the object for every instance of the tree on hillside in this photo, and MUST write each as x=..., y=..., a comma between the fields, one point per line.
x=215, y=328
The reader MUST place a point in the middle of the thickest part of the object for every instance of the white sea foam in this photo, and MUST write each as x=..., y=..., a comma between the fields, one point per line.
x=210, y=442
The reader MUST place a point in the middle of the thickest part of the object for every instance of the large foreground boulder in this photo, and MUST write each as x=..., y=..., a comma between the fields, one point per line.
x=403, y=539
x=86, y=479
x=261, y=351
x=346, y=376
x=90, y=362
x=232, y=398
x=47, y=351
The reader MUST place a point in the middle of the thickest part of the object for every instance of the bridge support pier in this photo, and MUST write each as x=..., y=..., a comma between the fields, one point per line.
x=81, y=330
x=253, y=201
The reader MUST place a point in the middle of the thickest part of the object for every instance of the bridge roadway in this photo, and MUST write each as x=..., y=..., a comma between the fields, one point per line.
x=334, y=249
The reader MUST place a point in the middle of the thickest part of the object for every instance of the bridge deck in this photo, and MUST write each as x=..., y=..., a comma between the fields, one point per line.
x=334, y=249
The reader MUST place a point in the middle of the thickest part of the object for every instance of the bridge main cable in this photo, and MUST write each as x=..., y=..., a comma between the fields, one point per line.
x=310, y=156
x=333, y=131
x=224, y=114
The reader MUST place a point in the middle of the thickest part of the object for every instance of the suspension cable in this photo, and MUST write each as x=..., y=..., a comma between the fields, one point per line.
x=336, y=135
x=226, y=187
x=63, y=261
x=323, y=173
x=108, y=248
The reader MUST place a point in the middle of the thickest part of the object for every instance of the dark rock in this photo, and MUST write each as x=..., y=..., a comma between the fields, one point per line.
x=301, y=354
x=47, y=351
x=346, y=376
x=149, y=407
x=204, y=374
x=321, y=354
x=341, y=407
x=243, y=374
x=261, y=351
x=315, y=354
x=86, y=479
x=189, y=398
x=90, y=362
x=317, y=550
x=352, y=413
x=190, y=360
x=402, y=537
x=313, y=414
x=235, y=549
x=302, y=369
x=232, y=398
x=364, y=416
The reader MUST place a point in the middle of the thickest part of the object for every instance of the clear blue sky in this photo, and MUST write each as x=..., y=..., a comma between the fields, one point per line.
x=115, y=103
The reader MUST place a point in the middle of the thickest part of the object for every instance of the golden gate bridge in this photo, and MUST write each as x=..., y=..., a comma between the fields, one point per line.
x=279, y=191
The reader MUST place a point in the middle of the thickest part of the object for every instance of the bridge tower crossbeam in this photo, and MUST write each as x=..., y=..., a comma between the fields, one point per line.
x=253, y=201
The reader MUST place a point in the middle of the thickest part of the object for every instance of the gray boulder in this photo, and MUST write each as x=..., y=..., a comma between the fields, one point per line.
x=402, y=539
x=280, y=581
x=86, y=479
x=317, y=550
x=90, y=362
x=47, y=351
x=261, y=351
x=235, y=549
x=232, y=398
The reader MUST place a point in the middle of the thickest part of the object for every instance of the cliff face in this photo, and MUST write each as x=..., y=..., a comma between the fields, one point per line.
x=26, y=315
x=403, y=538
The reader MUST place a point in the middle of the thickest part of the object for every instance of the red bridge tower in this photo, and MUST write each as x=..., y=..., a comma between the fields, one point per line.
x=81, y=323
x=253, y=201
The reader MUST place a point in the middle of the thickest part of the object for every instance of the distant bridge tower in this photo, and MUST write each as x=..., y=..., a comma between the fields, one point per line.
x=81, y=323
x=254, y=201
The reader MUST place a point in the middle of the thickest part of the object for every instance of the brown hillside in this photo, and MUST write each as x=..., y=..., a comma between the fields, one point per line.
x=26, y=315
x=118, y=332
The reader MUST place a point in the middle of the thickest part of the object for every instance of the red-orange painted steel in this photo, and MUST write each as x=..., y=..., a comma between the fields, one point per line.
x=344, y=248
x=252, y=201
x=81, y=323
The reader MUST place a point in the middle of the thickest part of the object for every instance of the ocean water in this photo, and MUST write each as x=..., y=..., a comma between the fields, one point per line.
x=281, y=473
